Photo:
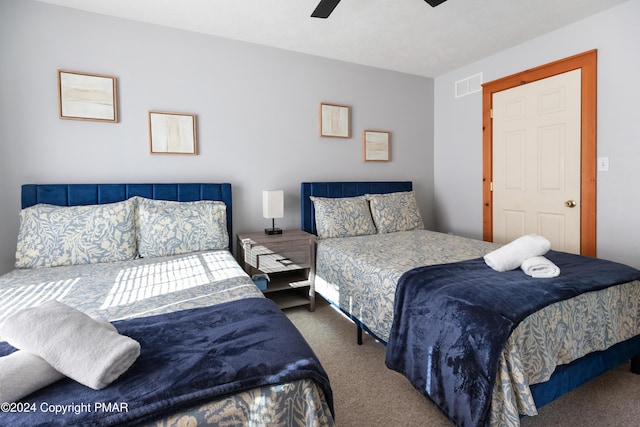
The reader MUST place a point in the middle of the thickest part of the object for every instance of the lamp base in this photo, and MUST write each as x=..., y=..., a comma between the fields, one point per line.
x=272, y=231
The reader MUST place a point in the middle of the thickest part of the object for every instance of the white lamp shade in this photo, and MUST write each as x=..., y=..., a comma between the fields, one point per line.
x=273, y=203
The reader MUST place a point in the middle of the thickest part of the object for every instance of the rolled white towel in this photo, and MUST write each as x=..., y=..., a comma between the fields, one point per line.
x=512, y=255
x=71, y=342
x=22, y=373
x=539, y=266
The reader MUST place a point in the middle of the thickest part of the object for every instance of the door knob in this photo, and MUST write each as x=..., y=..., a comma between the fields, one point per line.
x=570, y=203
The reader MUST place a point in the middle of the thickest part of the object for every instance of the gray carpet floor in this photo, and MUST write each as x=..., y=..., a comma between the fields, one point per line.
x=367, y=393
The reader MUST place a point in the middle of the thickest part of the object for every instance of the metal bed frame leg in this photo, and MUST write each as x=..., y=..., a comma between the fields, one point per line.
x=360, y=337
x=635, y=365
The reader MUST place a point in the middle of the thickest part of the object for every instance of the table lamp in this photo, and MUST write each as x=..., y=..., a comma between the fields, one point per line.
x=273, y=207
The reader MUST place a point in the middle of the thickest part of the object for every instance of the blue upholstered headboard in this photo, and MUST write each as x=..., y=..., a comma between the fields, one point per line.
x=342, y=189
x=95, y=194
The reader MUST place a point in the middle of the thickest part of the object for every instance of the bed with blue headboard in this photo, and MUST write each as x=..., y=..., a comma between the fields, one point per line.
x=96, y=194
x=362, y=264
x=154, y=261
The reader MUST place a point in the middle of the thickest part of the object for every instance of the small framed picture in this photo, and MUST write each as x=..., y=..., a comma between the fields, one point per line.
x=376, y=146
x=172, y=133
x=86, y=96
x=334, y=121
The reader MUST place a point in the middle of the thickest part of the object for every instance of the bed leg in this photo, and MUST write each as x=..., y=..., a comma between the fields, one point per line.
x=635, y=365
x=359, y=335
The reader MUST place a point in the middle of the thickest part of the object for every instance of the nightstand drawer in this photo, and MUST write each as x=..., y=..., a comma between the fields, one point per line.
x=299, y=254
x=277, y=255
x=274, y=263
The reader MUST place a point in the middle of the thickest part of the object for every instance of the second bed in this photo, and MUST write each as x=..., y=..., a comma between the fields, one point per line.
x=359, y=271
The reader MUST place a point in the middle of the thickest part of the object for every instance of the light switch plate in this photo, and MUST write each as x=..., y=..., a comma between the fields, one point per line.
x=603, y=164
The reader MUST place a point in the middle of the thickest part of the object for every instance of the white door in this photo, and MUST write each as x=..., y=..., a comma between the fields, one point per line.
x=536, y=161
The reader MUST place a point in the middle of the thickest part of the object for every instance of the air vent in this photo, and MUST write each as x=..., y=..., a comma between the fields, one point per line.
x=469, y=85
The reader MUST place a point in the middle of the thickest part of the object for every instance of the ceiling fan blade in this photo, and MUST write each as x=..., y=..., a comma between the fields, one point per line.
x=434, y=3
x=325, y=7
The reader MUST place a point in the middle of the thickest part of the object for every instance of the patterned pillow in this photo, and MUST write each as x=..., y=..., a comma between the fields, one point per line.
x=342, y=217
x=51, y=236
x=395, y=212
x=173, y=228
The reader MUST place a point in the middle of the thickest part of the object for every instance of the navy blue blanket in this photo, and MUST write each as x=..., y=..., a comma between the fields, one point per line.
x=187, y=357
x=452, y=321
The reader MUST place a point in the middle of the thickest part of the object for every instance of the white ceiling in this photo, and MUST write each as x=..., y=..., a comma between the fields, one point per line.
x=400, y=35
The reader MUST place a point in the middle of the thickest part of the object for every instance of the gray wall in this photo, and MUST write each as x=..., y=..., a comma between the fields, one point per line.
x=458, y=128
x=257, y=113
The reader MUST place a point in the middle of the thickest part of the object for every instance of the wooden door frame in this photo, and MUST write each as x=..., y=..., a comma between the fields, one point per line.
x=587, y=62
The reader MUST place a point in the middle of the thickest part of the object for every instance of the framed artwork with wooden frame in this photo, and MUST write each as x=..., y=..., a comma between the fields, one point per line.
x=376, y=146
x=87, y=96
x=172, y=133
x=335, y=121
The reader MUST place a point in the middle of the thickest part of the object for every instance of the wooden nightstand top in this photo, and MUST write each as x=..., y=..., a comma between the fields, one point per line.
x=286, y=236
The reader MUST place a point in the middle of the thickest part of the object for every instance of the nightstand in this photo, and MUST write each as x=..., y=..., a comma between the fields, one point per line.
x=289, y=261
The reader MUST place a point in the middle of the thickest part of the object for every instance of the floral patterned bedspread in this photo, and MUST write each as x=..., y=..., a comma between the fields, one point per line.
x=359, y=274
x=150, y=286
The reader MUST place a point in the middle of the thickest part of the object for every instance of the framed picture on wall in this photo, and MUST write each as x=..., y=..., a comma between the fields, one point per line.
x=376, y=146
x=172, y=133
x=86, y=96
x=334, y=121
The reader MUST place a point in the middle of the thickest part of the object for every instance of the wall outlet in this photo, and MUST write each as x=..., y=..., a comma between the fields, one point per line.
x=603, y=164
